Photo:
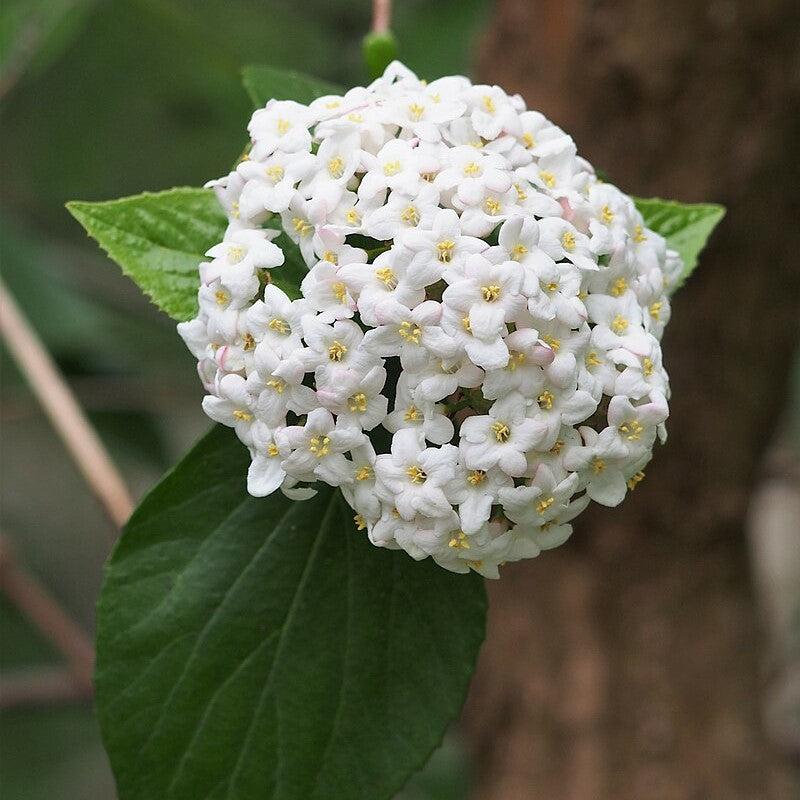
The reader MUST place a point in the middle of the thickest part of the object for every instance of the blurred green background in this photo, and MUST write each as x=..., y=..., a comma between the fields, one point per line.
x=99, y=100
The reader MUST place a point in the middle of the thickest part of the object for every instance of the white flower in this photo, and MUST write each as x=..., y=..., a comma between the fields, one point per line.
x=265, y=474
x=487, y=296
x=465, y=269
x=541, y=501
x=502, y=438
x=475, y=491
x=442, y=247
x=422, y=414
x=356, y=400
x=282, y=125
x=270, y=184
x=413, y=477
x=317, y=448
x=236, y=261
x=473, y=174
x=412, y=334
x=234, y=406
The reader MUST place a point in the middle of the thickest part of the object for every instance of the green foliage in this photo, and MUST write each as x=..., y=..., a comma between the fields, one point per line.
x=256, y=648
x=686, y=227
x=379, y=49
x=158, y=240
x=264, y=83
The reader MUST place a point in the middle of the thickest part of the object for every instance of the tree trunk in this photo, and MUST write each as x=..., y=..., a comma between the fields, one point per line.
x=626, y=664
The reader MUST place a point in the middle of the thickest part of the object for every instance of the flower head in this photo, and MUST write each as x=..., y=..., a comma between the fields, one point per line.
x=473, y=354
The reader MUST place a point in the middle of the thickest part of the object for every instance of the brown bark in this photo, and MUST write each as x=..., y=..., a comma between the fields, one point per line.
x=626, y=664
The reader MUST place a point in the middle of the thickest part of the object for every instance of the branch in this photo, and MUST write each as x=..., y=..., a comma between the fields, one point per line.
x=41, y=687
x=381, y=15
x=44, y=612
x=63, y=410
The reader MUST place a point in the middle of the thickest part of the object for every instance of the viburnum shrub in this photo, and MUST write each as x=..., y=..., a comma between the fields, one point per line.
x=413, y=296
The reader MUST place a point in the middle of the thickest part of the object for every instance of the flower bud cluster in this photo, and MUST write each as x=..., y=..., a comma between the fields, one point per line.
x=474, y=352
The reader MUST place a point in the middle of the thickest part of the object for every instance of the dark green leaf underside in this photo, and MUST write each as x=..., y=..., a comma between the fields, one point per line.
x=259, y=648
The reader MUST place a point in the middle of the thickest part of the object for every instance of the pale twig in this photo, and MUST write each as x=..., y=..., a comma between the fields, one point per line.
x=63, y=410
x=381, y=15
x=45, y=613
x=41, y=686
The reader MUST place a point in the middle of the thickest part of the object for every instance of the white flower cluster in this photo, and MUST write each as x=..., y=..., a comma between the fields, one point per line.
x=473, y=289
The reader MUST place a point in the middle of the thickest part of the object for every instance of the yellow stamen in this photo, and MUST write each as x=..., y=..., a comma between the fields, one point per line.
x=235, y=254
x=476, y=477
x=392, y=168
x=360, y=522
x=546, y=400
x=446, y=248
x=221, y=296
x=543, y=505
x=632, y=430
x=492, y=206
x=410, y=215
x=459, y=541
x=620, y=286
x=606, y=215
x=301, y=226
x=416, y=111
x=638, y=235
x=411, y=414
x=634, y=480
x=320, y=446
x=364, y=473
x=358, y=403
x=471, y=169
x=647, y=366
x=272, y=450
x=515, y=359
x=279, y=326
x=619, y=324
x=416, y=474
x=592, y=360
x=490, y=293
x=275, y=173
x=568, y=241
x=277, y=384
x=410, y=332
x=336, y=351
x=548, y=178
x=242, y=416
x=387, y=277
x=488, y=104
x=501, y=432
x=283, y=126
x=339, y=291
x=655, y=310
x=352, y=217
x=248, y=342
x=598, y=465
x=528, y=140
x=518, y=252
x=551, y=341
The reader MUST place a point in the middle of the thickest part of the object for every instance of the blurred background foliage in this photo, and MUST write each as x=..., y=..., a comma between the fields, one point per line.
x=101, y=99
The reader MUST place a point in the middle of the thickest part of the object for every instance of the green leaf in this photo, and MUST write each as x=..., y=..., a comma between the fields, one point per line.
x=158, y=240
x=262, y=648
x=264, y=83
x=686, y=227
